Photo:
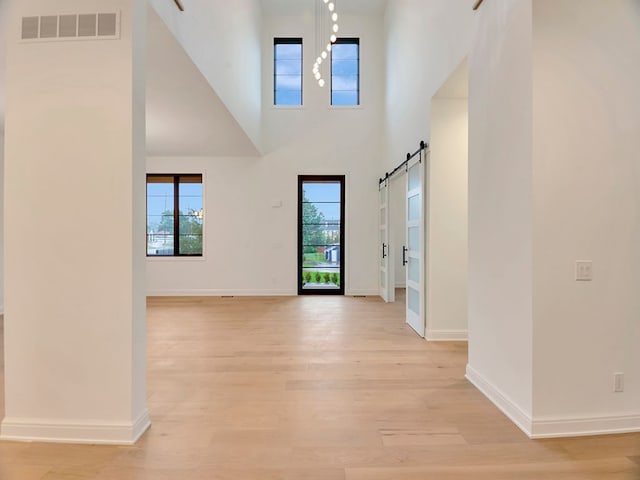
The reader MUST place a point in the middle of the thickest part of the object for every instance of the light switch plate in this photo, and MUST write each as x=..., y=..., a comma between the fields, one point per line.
x=584, y=270
x=618, y=382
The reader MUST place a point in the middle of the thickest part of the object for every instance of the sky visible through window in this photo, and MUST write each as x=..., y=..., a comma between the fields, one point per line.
x=325, y=197
x=288, y=73
x=160, y=199
x=161, y=235
x=321, y=235
x=345, y=73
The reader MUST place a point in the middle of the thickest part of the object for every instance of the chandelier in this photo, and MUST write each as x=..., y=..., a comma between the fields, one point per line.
x=333, y=14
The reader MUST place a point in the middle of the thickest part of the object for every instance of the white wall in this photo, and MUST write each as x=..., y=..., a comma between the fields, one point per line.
x=500, y=205
x=446, y=229
x=4, y=9
x=2, y=222
x=553, y=179
x=74, y=236
x=251, y=247
x=224, y=41
x=425, y=42
x=586, y=181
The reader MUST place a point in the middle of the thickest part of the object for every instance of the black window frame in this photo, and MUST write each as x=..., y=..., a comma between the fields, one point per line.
x=302, y=179
x=346, y=41
x=288, y=41
x=176, y=214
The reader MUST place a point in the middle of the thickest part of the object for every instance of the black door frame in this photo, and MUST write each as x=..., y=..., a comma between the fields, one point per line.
x=321, y=178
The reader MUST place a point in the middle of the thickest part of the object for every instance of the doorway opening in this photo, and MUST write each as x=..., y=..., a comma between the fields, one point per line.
x=321, y=234
x=424, y=222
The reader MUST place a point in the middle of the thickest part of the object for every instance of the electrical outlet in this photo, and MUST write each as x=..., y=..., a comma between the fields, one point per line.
x=584, y=270
x=618, y=382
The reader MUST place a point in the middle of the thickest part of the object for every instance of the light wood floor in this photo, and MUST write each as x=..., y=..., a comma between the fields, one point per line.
x=315, y=388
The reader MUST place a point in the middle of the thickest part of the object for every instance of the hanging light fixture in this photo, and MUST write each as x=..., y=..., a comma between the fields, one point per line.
x=331, y=6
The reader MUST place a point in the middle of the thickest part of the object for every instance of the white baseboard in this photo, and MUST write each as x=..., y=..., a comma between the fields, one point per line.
x=362, y=293
x=401, y=285
x=246, y=293
x=500, y=400
x=42, y=430
x=222, y=293
x=447, y=335
x=554, y=427
x=1, y=309
x=584, y=426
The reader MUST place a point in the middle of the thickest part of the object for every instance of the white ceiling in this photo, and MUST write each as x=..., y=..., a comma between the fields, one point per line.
x=185, y=117
x=457, y=85
x=296, y=7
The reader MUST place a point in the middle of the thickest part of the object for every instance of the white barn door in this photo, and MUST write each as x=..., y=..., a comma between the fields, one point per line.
x=387, y=285
x=414, y=251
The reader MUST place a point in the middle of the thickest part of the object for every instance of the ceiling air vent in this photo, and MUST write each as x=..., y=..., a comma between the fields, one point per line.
x=48, y=27
x=29, y=28
x=107, y=23
x=85, y=26
x=68, y=26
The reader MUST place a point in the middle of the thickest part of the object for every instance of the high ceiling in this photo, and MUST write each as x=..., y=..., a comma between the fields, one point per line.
x=363, y=7
x=184, y=115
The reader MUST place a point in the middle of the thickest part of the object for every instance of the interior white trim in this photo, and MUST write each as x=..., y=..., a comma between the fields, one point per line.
x=53, y=431
x=447, y=335
x=500, y=400
x=1, y=309
x=362, y=293
x=221, y=293
x=584, y=426
x=554, y=427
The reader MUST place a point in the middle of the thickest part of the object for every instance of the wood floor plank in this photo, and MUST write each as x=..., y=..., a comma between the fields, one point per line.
x=314, y=388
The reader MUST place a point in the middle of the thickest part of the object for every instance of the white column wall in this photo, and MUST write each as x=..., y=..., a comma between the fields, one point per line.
x=1, y=222
x=500, y=204
x=447, y=219
x=425, y=42
x=586, y=207
x=74, y=213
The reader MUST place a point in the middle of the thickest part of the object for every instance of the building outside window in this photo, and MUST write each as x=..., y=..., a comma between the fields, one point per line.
x=175, y=215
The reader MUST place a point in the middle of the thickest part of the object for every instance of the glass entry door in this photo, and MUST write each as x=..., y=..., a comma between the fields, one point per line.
x=321, y=235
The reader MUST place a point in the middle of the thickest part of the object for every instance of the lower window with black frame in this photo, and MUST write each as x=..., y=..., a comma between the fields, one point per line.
x=175, y=215
x=321, y=227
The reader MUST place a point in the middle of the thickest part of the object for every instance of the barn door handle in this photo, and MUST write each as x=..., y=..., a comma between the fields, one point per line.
x=384, y=250
x=404, y=255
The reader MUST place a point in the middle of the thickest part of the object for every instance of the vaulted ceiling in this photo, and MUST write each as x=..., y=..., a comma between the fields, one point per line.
x=185, y=116
x=362, y=7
